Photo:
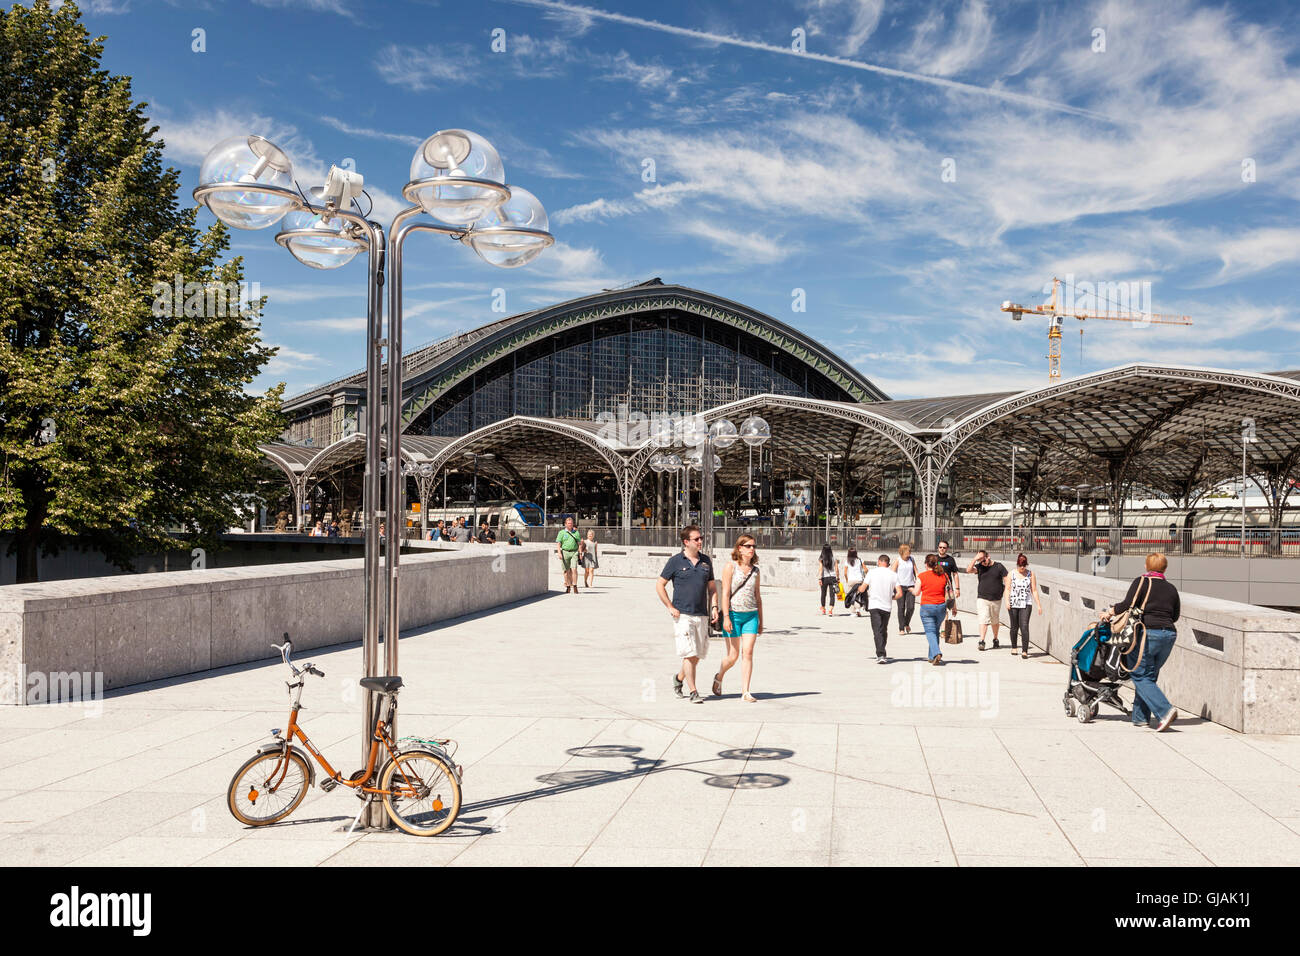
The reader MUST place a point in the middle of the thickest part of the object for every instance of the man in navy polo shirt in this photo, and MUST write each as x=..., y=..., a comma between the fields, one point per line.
x=695, y=597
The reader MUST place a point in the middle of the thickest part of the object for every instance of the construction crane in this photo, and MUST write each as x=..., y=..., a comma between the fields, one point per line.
x=1055, y=311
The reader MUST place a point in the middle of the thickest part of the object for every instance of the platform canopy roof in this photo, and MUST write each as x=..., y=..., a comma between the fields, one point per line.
x=1169, y=430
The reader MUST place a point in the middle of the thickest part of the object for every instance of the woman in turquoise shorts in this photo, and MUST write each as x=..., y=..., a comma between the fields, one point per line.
x=742, y=614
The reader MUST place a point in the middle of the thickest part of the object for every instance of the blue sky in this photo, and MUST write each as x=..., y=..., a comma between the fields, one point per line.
x=917, y=165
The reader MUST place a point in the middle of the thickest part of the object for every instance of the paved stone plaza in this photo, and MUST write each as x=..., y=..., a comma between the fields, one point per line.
x=577, y=752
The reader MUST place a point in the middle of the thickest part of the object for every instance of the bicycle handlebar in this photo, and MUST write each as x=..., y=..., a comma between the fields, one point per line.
x=286, y=649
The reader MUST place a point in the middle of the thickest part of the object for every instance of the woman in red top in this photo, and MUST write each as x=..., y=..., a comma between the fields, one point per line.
x=931, y=585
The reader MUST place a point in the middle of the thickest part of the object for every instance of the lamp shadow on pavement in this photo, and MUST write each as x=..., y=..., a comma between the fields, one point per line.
x=569, y=781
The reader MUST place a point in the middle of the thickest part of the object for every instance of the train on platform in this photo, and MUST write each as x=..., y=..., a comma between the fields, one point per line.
x=502, y=515
x=1201, y=530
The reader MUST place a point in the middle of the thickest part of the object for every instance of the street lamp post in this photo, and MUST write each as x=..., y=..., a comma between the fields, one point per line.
x=473, y=495
x=1012, y=519
x=546, y=496
x=1078, y=534
x=247, y=182
x=672, y=465
x=1247, y=438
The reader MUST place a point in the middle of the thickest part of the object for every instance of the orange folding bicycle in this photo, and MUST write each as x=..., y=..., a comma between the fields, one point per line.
x=418, y=782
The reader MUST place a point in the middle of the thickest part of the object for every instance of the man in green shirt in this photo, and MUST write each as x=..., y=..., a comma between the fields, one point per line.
x=566, y=547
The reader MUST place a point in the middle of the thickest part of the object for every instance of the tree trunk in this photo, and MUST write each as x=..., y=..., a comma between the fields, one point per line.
x=27, y=539
x=27, y=544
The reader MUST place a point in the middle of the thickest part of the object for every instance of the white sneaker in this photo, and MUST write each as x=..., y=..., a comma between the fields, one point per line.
x=1167, y=719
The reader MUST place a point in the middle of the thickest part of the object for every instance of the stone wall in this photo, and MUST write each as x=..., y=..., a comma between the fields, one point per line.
x=144, y=627
x=1235, y=664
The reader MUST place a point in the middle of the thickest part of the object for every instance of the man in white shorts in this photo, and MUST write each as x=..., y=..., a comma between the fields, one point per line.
x=695, y=598
x=992, y=585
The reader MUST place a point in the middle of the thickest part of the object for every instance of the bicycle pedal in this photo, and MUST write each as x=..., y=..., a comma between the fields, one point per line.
x=327, y=784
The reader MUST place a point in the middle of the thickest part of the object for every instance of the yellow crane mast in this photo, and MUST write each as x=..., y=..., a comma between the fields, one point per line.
x=1055, y=311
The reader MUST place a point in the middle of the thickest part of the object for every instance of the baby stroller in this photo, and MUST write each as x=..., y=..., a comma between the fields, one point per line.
x=1096, y=670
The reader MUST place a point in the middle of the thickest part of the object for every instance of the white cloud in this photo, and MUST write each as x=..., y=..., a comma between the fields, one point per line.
x=1257, y=251
x=343, y=127
x=743, y=246
x=943, y=51
x=422, y=69
x=351, y=324
x=728, y=40
x=646, y=75
x=287, y=359
x=317, y=6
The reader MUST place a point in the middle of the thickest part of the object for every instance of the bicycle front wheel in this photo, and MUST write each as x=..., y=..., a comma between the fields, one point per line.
x=268, y=788
x=422, y=795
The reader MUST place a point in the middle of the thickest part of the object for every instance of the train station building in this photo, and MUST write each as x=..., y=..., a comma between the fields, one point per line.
x=566, y=399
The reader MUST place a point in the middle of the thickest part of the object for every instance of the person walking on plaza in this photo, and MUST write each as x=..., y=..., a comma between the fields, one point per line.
x=333, y=531
x=694, y=600
x=853, y=577
x=1023, y=587
x=590, y=558
x=1156, y=637
x=317, y=531
x=828, y=577
x=514, y=538
x=905, y=567
x=932, y=584
x=948, y=565
x=882, y=590
x=742, y=614
x=462, y=531
x=988, y=599
x=566, y=549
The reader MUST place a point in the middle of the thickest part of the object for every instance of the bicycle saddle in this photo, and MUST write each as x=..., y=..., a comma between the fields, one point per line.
x=382, y=685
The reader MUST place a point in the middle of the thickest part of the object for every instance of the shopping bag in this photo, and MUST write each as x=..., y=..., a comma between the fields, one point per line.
x=952, y=631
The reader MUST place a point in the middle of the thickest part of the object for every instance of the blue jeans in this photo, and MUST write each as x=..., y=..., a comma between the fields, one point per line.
x=1148, y=699
x=932, y=616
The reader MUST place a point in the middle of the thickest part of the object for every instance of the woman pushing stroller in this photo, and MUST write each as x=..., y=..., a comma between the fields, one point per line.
x=1160, y=609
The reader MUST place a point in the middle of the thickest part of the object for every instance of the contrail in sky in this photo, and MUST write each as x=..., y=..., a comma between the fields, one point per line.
x=1023, y=99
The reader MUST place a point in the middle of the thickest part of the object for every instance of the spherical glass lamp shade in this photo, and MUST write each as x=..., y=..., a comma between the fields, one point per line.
x=755, y=431
x=514, y=234
x=657, y=463
x=693, y=460
x=251, y=160
x=316, y=243
x=456, y=154
x=694, y=431
x=672, y=463
x=723, y=433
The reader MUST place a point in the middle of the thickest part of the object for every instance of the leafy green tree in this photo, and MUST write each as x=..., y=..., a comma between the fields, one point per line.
x=121, y=420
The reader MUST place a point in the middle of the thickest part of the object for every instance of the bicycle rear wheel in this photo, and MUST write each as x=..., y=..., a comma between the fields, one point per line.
x=267, y=788
x=423, y=796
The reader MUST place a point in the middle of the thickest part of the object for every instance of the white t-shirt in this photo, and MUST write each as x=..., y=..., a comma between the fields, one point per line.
x=907, y=572
x=881, y=583
x=853, y=571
